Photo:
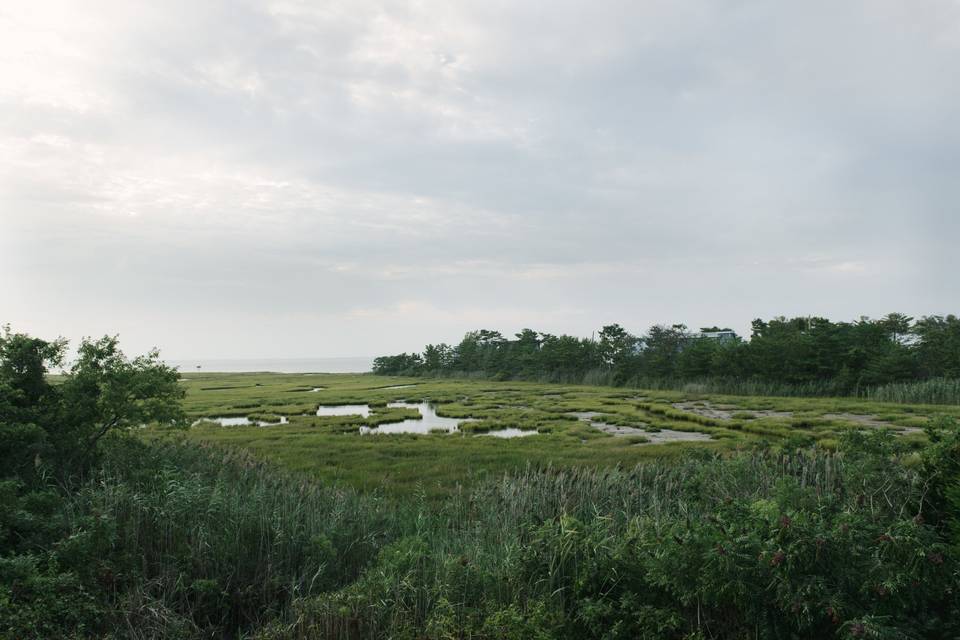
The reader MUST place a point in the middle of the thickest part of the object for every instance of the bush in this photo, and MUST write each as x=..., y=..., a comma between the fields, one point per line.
x=173, y=540
x=37, y=600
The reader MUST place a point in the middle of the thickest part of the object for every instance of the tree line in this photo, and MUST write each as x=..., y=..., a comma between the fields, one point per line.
x=791, y=351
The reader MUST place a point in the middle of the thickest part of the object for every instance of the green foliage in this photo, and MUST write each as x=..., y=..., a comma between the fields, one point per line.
x=151, y=536
x=48, y=587
x=940, y=463
x=55, y=428
x=893, y=358
x=933, y=391
x=402, y=364
x=216, y=543
x=761, y=546
x=38, y=601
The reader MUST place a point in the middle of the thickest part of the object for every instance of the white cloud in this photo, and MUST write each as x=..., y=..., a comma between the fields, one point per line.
x=453, y=164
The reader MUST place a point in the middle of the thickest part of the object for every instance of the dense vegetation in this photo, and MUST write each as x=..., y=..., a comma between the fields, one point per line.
x=105, y=533
x=332, y=449
x=884, y=359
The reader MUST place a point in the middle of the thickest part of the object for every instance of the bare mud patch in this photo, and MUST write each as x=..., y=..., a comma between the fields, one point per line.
x=661, y=436
x=585, y=415
x=727, y=412
x=874, y=422
x=669, y=435
x=858, y=418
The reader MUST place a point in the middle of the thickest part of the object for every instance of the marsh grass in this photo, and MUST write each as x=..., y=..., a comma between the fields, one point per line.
x=233, y=541
x=311, y=530
x=330, y=448
x=190, y=541
x=535, y=541
x=936, y=391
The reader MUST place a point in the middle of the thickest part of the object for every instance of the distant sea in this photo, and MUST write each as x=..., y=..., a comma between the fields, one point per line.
x=278, y=365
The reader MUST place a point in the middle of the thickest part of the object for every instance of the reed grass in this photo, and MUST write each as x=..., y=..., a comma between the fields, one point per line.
x=935, y=391
x=208, y=541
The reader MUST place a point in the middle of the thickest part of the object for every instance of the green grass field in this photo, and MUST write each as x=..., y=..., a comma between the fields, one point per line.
x=331, y=448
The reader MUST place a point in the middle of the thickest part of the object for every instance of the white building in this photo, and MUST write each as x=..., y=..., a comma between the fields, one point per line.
x=724, y=335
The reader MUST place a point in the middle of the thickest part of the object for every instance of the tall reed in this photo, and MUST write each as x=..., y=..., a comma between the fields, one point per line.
x=935, y=391
x=224, y=544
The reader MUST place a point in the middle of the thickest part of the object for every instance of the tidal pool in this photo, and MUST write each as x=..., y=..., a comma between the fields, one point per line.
x=427, y=422
x=344, y=410
x=240, y=421
x=511, y=432
x=653, y=437
x=430, y=422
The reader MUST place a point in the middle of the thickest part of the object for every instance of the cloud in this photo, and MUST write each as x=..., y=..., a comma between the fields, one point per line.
x=571, y=163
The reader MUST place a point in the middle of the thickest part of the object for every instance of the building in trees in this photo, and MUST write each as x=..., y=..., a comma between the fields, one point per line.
x=720, y=335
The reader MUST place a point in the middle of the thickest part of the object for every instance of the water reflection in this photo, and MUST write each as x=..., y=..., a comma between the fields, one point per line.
x=344, y=410
x=240, y=421
x=427, y=422
x=510, y=432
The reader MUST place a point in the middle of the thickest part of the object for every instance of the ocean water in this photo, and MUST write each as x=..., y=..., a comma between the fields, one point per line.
x=278, y=365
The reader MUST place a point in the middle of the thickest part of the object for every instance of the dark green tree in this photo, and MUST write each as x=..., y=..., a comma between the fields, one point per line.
x=437, y=357
x=57, y=426
x=618, y=350
x=663, y=346
x=938, y=346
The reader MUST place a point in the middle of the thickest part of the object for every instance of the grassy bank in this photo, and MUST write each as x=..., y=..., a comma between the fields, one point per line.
x=330, y=448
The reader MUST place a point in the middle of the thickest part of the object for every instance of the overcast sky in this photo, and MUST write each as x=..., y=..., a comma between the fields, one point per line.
x=339, y=178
